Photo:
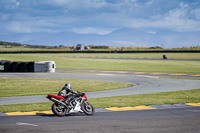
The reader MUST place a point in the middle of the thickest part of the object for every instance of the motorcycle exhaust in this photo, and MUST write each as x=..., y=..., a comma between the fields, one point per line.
x=56, y=100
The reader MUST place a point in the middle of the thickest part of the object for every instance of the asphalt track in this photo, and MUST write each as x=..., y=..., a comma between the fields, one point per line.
x=184, y=119
x=180, y=119
x=128, y=58
x=131, y=73
x=176, y=120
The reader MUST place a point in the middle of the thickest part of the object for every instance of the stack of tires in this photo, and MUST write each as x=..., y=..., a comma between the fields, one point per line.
x=7, y=66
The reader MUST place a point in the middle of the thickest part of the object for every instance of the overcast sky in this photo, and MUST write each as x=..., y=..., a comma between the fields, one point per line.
x=98, y=16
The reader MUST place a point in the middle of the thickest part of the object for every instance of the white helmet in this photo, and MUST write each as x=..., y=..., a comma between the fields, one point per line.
x=68, y=86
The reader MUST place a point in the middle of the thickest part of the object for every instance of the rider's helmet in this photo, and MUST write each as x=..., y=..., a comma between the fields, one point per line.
x=68, y=86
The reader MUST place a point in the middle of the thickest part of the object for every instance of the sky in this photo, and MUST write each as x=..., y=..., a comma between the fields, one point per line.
x=37, y=21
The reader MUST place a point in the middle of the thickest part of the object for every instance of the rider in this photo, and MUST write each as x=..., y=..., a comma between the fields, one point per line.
x=64, y=93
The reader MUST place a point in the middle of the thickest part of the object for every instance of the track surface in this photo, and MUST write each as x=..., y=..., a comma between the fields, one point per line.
x=128, y=58
x=131, y=73
x=182, y=120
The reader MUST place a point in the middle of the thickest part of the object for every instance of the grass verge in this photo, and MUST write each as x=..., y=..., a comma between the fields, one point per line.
x=41, y=86
x=64, y=61
x=187, y=96
x=21, y=57
x=161, y=98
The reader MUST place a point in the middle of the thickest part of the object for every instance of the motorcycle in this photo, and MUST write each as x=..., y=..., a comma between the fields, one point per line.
x=78, y=104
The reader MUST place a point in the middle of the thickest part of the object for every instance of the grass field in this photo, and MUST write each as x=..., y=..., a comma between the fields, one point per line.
x=140, y=55
x=28, y=57
x=42, y=86
x=189, y=96
x=36, y=86
x=64, y=61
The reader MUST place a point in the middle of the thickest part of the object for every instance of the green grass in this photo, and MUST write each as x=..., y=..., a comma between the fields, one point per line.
x=42, y=86
x=184, y=67
x=37, y=86
x=188, y=96
x=64, y=61
x=44, y=106
x=140, y=55
x=117, y=55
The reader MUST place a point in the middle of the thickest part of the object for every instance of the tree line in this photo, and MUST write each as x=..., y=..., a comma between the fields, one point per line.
x=14, y=44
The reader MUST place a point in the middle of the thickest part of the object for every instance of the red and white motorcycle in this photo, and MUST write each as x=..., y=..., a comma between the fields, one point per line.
x=78, y=104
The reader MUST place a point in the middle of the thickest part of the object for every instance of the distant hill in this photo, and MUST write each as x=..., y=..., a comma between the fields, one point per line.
x=120, y=37
x=14, y=44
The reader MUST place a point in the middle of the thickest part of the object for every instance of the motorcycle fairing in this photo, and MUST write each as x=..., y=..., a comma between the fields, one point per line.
x=76, y=109
x=55, y=96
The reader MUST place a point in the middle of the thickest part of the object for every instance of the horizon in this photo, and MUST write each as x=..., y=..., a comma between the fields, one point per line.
x=68, y=46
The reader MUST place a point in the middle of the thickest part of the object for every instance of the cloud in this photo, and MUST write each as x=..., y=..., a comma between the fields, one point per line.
x=80, y=4
x=196, y=13
x=125, y=43
x=98, y=16
x=177, y=19
x=15, y=3
x=92, y=30
x=150, y=2
x=23, y=27
x=151, y=32
x=183, y=6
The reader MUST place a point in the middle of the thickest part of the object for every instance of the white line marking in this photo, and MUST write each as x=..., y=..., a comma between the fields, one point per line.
x=193, y=110
x=6, y=76
x=27, y=124
x=146, y=76
x=105, y=74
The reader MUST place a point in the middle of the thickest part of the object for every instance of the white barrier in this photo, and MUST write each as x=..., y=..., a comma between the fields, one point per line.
x=44, y=66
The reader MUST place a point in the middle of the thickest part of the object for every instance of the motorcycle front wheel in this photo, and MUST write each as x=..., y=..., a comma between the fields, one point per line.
x=87, y=108
x=58, y=110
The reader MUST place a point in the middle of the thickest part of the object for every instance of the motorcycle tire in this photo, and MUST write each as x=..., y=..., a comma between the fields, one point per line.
x=87, y=108
x=58, y=111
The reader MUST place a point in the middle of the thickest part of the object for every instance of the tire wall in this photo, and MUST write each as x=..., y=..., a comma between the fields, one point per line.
x=18, y=66
x=7, y=66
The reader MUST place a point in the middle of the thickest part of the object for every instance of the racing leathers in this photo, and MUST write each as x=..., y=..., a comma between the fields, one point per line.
x=65, y=93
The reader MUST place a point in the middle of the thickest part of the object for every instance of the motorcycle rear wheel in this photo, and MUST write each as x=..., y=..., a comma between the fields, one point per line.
x=87, y=108
x=58, y=110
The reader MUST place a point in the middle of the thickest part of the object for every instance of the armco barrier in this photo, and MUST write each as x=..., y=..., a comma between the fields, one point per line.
x=42, y=66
